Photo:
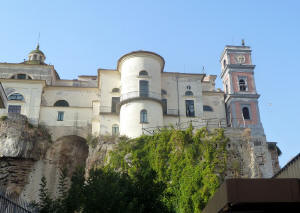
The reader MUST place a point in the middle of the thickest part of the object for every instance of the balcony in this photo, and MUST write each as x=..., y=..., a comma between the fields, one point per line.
x=140, y=95
x=110, y=109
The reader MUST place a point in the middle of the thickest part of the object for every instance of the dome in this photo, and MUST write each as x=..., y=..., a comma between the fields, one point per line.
x=37, y=50
x=36, y=56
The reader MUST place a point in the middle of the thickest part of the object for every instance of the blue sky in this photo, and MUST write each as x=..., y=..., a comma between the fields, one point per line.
x=80, y=36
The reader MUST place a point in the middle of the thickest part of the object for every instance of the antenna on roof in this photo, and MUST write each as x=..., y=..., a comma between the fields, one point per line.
x=203, y=70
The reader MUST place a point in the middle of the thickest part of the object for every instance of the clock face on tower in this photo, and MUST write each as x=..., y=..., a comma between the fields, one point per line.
x=240, y=59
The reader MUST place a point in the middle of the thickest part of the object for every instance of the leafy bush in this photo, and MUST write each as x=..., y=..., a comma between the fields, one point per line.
x=191, y=165
x=170, y=171
x=3, y=118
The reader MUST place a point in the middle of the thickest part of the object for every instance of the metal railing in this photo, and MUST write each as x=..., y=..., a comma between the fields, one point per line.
x=140, y=94
x=109, y=109
x=196, y=124
x=8, y=204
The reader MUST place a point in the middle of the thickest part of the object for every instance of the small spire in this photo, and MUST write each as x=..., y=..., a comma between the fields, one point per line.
x=38, y=42
x=243, y=42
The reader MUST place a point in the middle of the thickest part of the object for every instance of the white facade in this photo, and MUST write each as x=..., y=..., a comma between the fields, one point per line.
x=136, y=98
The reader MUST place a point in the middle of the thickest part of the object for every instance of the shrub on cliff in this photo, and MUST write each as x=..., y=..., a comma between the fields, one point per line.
x=170, y=171
x=191, y=165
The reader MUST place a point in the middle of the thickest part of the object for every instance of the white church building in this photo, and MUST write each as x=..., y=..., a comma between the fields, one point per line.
x=136, y=98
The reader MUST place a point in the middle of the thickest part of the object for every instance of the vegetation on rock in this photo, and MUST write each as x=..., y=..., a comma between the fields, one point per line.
x=170, y=171
x=191, y=165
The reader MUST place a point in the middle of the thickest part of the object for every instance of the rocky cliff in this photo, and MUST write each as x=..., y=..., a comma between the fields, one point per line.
x=27, y=154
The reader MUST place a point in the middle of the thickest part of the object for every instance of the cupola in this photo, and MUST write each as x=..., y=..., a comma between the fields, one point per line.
x=36, y=56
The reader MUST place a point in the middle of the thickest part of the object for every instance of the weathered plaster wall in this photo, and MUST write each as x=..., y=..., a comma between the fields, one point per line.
x=175, y=97
x=107, y=121
x=216, y=101
x=31, y=90
x=76, y=97
x=109, y=79
x=36, y=72
x=130, y=124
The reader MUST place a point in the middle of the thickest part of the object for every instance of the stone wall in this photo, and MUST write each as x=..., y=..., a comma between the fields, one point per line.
x=248, y=156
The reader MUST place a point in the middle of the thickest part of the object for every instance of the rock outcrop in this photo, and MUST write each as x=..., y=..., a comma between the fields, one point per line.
x=68, y=152
x=27, y=154
x=21, y=145
x=99, y=149
x=19, y=139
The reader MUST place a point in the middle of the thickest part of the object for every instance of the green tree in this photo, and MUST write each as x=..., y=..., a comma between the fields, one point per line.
x=191, y=165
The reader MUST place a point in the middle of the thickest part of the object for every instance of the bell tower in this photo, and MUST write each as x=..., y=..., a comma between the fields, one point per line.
x=241, y=102
x=241, y=97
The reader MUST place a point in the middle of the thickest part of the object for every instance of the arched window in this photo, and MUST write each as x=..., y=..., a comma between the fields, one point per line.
x=207, y=108
x=143, y=116
x=188, y=87
x=16, y=97
x=189, y=93
x=115, y=129
x=21, y=76
x=246, y=113
x=115, y=90
x=242, y=85
x=143, y=73
x=224, y=63
x=61, y=103
x=163, y=92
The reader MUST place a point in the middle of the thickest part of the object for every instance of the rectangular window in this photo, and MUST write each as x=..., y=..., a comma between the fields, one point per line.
x=144, y=88
x=60, y=116
x=164, y=106
x=114, y=103
x=143, y=116
x=115, y=130
x=14, y=109
x=21, y=76
x=190, y=109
